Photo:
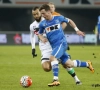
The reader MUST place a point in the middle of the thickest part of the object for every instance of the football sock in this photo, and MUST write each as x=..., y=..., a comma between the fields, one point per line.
x=55, y=69
x=78, y=63
x=73, y=74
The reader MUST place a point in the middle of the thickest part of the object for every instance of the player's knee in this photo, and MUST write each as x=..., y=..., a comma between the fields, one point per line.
x=47, y=69
x=64, y=66
x=52, y=58
x=46, y=66
x=69, y=64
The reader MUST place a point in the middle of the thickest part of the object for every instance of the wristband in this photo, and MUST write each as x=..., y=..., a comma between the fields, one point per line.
x=76, y=29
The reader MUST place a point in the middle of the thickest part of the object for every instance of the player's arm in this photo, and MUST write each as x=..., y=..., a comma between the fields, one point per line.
x=41, y=31
x=42, y=38
x=72, y=24
x=32, y=38
x=64, y=25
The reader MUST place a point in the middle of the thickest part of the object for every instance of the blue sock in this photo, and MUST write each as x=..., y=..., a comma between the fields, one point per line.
x=55, y=68
x=81, y=64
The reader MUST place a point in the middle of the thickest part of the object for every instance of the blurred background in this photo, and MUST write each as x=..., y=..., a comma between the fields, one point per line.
x=16, y=17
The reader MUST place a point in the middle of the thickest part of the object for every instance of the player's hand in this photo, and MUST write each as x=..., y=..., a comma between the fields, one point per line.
x=80, y=33
x=33, y=53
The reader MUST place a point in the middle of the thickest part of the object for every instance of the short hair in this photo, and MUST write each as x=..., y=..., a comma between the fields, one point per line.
x=45, y=6
x=35, y=8
x=51, y=3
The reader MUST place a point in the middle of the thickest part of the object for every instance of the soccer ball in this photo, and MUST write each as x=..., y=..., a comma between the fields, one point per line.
x=25, y=81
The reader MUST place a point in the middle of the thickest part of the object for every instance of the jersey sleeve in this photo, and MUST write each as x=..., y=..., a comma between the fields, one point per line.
x=63, y=19
x=32, y=37
x=41, y=28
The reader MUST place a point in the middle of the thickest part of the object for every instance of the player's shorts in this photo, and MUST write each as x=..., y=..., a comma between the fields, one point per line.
x=64, y=58
x=45, y=57
x=45, y=51
x=60, y=52
x=44, y=46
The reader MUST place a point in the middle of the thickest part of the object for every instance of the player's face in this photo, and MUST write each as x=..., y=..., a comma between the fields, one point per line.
x=52, y=7
x=46, y=14
x=37, y=15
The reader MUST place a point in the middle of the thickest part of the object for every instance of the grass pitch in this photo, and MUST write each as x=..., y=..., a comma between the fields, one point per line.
x=16, y=61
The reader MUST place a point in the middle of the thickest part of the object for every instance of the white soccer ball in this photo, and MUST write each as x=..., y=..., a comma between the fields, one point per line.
x=25, y=81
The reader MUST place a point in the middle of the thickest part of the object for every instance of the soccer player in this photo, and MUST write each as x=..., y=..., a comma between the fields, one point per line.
x=45, y=47
x=55, y=35
x=54, y=13
x=98, y=27
x=52, y=8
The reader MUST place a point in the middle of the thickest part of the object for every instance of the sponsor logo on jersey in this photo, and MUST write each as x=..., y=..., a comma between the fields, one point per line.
x=52, y=28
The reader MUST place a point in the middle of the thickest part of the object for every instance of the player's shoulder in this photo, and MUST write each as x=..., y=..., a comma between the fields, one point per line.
x=58, y=16
x=42, y=22
x=33, y=23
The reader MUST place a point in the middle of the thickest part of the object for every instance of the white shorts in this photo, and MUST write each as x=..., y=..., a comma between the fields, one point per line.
x=45, y=51
x=45, y=57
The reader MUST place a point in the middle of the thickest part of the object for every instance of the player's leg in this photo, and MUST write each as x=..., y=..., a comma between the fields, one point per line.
x=77, y=63
x=71, y=71
x=55, y=69
x=45, y=61
x=57, y=52
x=73, y=74
x=46, y=65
